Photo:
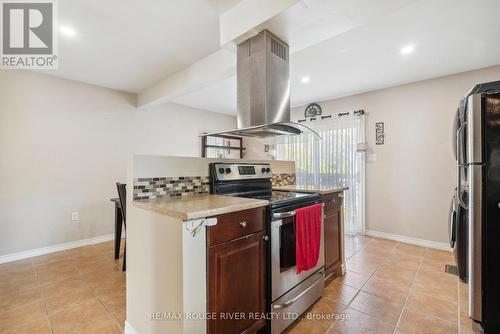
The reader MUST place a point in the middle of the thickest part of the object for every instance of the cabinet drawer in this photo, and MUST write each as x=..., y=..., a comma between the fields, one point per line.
x=234, y=225
x=333, y=202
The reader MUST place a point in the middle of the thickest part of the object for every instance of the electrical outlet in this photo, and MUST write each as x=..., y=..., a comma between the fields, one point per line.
x=75, y=216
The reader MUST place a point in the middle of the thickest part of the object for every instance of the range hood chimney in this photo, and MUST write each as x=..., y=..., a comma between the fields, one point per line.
x=263, y=92
x=263, y=76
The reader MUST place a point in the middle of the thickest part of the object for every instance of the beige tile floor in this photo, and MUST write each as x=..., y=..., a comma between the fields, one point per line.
x=390, y=287
x=70, y=292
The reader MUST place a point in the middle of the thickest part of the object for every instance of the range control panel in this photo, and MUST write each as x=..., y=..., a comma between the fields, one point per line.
x=227, y=172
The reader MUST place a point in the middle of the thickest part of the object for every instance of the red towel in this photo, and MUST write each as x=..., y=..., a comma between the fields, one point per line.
x=308, y=236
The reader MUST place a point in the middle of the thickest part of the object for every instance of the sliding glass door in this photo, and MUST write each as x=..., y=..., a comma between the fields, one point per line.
x=333, y=161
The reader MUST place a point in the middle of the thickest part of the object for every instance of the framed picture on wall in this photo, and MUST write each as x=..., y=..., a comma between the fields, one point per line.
x=379, y=133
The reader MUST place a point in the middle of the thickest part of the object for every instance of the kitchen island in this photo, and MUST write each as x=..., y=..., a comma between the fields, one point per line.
x=189, y=253
x=182, y=254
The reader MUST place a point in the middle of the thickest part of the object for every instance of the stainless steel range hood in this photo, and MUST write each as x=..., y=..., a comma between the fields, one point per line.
x=263, y=93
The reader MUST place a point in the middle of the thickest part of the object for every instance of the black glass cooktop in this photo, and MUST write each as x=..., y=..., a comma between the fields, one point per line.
x=278, y=197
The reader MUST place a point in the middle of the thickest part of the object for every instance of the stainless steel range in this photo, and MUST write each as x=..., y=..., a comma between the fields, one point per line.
x=289, y=293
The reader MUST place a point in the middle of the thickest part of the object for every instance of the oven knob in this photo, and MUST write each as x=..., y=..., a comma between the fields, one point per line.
x=263, y=170
x=221, y=170
x=228, y=170
x=268, y=170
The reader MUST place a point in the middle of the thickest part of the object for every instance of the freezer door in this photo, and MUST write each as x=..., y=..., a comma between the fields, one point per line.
x=475, y=241
x=474, y=132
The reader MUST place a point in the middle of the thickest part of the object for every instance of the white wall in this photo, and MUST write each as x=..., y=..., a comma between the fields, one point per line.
x=64, y=144
x=175, y=166
x=255, y=148
x=410, y=186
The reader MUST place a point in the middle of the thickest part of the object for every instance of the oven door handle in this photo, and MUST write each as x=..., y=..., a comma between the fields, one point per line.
x=296, y=298
x=281, y=215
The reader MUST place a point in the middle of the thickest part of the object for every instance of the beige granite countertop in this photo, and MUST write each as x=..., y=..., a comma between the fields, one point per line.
x=198, y=206
x=311, y=189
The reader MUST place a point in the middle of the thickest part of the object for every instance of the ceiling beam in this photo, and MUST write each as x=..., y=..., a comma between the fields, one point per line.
x=242, y=21
x=248, y=17
x=218, y=66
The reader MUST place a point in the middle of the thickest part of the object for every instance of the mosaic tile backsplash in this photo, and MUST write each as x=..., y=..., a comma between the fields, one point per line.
x=284, y=179
x=154, y=187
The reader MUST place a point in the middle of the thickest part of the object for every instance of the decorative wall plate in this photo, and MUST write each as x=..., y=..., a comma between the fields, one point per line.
x=313, y=110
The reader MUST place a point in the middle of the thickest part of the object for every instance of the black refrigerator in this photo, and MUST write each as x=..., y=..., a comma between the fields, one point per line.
x=476, y=230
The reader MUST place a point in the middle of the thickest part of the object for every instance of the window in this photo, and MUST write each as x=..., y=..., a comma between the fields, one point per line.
x=223, y=147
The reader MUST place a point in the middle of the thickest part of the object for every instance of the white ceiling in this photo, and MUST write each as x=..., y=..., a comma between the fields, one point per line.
x=131, y=44
x=219, y=97
x=344, y=46
x=349, y=47
x=223, y=5
x=313, y=21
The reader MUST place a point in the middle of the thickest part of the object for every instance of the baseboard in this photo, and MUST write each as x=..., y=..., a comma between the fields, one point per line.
x=409, y=240
x=55, y=248
x=129, y=329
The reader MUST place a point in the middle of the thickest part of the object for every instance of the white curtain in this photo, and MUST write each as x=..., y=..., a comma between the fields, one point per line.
x=333, y=161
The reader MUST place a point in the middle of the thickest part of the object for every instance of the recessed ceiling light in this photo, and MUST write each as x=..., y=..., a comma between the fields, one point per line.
x=305, y=79
x=407, y=49
x=68, y=31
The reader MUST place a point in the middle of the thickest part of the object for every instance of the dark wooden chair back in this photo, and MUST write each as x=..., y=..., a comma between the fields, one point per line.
x=122, y=195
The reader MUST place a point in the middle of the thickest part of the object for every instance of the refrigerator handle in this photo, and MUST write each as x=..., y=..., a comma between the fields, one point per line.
x=460, y=165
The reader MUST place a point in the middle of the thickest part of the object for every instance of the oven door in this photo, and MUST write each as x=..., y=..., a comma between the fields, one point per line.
x=283, y=258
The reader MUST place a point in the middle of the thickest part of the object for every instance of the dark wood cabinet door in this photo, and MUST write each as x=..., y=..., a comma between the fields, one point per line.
x=332, y=242
x=333, y=219
x=236, y=284
x=333, y=203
